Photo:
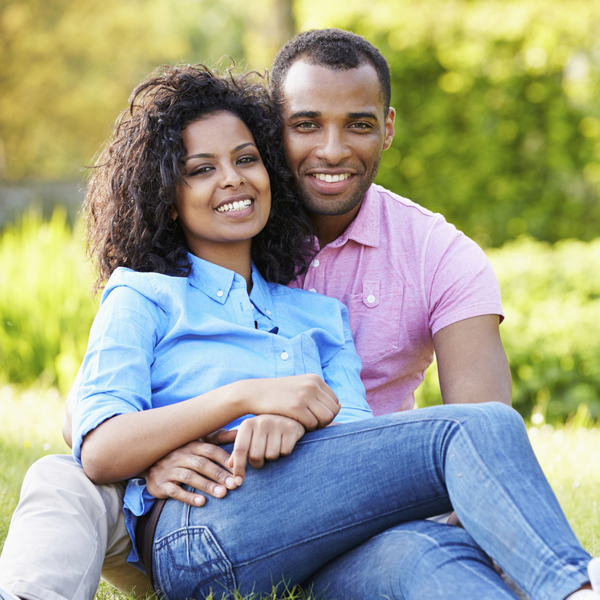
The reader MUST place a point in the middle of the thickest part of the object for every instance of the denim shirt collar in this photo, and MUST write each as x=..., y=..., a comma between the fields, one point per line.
x=217, y=282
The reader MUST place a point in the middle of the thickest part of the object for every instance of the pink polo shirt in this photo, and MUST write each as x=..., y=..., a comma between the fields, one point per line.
x=404, y=273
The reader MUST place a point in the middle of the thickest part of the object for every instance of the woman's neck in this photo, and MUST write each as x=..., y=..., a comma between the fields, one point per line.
x=235, y=257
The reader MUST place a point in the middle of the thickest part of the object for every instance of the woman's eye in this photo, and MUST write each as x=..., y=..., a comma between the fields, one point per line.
x=200, y=170
x=305, y=125
x=247, y=159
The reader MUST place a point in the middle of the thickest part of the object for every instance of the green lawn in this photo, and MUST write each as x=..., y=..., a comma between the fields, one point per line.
x=30, y=425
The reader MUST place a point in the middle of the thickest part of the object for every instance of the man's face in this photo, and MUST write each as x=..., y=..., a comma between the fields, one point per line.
x=334, y=134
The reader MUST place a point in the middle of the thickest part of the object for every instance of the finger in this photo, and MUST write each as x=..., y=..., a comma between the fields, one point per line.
x=222, y=436
x=211, y=462
x=239, y=456
x=194, y=480
x=288, y=442
x=256, y=454
x=273, y=446
x=172, y=490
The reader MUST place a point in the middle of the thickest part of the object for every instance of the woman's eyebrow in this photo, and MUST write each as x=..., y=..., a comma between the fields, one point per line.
x=207, y=155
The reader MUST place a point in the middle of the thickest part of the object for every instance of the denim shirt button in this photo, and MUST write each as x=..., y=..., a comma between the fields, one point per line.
x=284, y=355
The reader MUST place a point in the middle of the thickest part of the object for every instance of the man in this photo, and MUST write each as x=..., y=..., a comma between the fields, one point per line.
x=412, y=283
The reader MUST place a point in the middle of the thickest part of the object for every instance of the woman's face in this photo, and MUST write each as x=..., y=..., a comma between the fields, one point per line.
x=227, y=199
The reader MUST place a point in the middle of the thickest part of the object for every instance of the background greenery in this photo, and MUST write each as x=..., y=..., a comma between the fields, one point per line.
x=498, y=101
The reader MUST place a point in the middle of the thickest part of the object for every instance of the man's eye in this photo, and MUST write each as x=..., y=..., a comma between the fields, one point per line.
x=361, y=126
x=305, y=125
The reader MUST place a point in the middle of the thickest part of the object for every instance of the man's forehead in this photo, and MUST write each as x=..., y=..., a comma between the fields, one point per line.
x=309, y=87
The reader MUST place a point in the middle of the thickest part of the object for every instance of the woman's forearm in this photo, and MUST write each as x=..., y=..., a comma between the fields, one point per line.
x=125, y=445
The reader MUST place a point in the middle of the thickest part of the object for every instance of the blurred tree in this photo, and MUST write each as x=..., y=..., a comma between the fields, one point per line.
x=68, y=67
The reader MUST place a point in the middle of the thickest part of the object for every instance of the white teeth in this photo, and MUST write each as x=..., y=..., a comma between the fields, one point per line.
x=331, y=178
x=235, y=205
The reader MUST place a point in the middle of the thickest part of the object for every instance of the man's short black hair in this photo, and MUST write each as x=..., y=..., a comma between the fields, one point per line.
x=334, y=48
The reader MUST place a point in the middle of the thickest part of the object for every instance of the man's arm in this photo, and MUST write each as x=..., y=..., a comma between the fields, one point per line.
x=472, y=364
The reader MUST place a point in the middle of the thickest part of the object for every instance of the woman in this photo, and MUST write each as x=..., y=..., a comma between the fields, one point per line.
x=190, y=338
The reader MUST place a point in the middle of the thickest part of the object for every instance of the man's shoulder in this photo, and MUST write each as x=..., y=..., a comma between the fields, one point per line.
x=388, y=201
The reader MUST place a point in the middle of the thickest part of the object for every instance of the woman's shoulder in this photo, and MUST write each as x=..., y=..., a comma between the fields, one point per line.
x=156, y=287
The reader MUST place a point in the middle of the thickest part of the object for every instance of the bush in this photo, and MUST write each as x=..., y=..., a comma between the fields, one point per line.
x=45, y=308
x=551, y=297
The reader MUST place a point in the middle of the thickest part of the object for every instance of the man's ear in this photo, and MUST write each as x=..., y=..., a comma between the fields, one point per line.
x=389, y=128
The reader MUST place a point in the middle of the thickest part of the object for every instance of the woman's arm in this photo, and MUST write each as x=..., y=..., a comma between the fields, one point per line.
x=127, y=444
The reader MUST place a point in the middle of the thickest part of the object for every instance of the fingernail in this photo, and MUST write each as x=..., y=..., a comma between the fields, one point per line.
x=199, y=501
x=220, y=490
x=230, y=482
x=239, y=480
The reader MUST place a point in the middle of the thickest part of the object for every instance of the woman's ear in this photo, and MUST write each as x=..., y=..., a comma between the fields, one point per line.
x=174, y=213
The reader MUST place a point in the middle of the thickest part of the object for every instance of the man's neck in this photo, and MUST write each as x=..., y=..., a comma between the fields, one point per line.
x=331, y=227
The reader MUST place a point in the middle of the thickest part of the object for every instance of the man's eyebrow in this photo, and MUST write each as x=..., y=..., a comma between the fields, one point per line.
x=363, y=115
x=307, y=114
x=207, y=155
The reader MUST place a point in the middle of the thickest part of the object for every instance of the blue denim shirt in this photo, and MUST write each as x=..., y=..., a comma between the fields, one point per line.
x=158, y=340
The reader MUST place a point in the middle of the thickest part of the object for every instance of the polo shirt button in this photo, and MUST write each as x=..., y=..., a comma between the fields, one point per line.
x=220, y=293
x=370, y=298
x=315, y=262
x=268, y=312
x=284, y=356
x=312, y=290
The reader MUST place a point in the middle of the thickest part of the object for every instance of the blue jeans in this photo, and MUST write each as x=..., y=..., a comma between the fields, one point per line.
x=344, y=494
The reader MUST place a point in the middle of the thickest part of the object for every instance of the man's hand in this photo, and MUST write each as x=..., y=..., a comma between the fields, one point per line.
x=304, y=398
x=265, y=437
x=201, y=465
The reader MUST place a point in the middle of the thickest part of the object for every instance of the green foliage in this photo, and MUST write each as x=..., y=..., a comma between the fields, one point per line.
x=498, y=109
x=551, y=297
x=45, y=307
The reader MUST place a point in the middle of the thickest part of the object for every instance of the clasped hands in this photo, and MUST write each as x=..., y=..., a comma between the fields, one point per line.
x=285, y=409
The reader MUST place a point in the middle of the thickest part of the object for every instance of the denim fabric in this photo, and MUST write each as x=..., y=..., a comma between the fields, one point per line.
x=344, y=485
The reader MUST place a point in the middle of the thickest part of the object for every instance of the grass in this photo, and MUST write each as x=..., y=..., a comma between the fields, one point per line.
x=30, y=426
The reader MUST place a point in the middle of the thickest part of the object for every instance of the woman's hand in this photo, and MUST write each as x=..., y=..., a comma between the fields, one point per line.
x=304, y=398
x=199, y=464
x=265, y=437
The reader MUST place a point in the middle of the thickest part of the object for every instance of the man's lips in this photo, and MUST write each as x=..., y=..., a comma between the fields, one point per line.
x=329, y=178
x=330, y=183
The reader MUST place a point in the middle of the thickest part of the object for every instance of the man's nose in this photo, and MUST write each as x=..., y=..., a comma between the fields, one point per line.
x=333, y=148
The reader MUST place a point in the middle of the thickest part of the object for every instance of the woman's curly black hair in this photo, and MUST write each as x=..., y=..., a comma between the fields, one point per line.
x=132, y=190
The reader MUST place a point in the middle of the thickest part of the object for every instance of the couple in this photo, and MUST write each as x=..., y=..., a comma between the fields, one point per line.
x=193, y=226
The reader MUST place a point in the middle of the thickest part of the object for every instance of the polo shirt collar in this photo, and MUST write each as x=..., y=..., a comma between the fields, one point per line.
x=365, y=227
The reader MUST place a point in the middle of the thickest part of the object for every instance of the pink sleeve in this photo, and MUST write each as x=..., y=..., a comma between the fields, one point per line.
x=459, y=279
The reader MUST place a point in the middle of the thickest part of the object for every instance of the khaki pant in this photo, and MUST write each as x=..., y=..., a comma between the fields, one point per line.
x=65, y=533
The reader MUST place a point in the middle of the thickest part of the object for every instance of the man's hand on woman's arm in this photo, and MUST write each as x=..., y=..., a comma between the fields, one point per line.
x=199, y=464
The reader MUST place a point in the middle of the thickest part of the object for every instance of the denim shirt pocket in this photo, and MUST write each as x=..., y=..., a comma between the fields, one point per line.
x=189, y=563
x=375, y=318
